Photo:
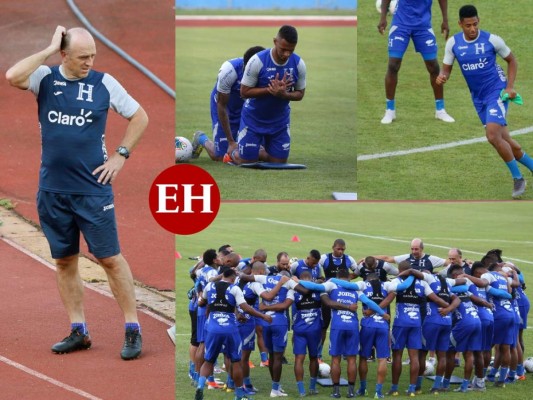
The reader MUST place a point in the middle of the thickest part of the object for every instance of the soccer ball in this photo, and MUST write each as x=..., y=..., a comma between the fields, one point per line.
x=430, y=369
x=392, y=6
x=324, y=370
x=528, y=364
x=183, y=149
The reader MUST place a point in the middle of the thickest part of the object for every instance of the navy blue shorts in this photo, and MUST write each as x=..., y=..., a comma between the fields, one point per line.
x=64, y=216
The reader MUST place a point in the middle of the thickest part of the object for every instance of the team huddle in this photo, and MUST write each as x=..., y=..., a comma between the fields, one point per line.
x=477, y=309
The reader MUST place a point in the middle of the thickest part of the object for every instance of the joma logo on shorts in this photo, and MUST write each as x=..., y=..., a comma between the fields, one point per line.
x=57, y=117
x=109, y=207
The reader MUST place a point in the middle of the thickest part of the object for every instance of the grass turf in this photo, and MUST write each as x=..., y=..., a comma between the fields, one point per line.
x=322, y=124
x=468, y=172
x=368, y=228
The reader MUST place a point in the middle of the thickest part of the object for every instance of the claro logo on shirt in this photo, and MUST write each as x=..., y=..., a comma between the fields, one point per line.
x=57, y=117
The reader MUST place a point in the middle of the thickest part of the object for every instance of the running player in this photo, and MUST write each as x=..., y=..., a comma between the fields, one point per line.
x=226, y=106
x=412, y=21
x=476, y=52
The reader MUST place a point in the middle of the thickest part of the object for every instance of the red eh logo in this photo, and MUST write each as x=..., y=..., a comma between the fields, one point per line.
x=184, y=199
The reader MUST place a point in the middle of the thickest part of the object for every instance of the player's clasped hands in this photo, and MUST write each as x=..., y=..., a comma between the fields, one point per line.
x=278, y=87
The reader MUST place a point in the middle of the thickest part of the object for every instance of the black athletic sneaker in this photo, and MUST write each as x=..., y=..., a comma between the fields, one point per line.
x=75, y=341
x=132, y=344
x=199, y=394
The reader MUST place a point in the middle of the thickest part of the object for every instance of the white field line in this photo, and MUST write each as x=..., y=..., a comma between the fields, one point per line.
x=436, y=147
x=265, y=18
x=384, y=238
x=48, y=379
x=47, y=264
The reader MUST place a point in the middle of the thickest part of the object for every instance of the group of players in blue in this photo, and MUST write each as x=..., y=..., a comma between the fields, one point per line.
x=478, y=309
x=476, y=53
x=250, y=111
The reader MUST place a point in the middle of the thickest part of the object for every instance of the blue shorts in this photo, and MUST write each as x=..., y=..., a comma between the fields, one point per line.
x=377, y=338
x=436, y=337
x=406, y=337
x=343, y=342
x=200, y=327
x=487, y=334
x=307, y=342
x=227, y=342
x=220, y=140
x=465, y=337
x=277, y=144
x=247, y=332
x=64, y=216
x=275, y=337
x=504, y=331
x=424, y=40
x=492, y=109
x=524, y=311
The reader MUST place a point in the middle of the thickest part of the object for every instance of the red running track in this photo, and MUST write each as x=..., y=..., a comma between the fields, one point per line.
x=33, y=318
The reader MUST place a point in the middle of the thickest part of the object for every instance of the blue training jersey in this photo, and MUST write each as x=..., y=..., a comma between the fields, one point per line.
x=477, y=61
x=343, y=319
x=72, y=117
x=229, y=82
x=413, y=14
x=306, y=312
x=375, y=291
x=278, y=317
x=269, y=114
x=300, y=266
x=222, y=298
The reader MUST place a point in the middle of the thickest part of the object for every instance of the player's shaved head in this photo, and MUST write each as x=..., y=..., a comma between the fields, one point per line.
x=76, y=36
x=260, y=255
x=258, y=267
x=232, y=260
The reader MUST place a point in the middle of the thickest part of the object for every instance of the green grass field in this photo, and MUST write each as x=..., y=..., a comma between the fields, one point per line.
x=368, y=228
x=322, y=124
x=468, y=172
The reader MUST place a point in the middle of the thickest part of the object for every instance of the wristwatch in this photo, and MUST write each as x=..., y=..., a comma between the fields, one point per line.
x=123, y=152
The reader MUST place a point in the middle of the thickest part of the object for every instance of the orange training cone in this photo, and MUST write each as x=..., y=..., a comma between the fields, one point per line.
x=295, y=238
x=178, y=255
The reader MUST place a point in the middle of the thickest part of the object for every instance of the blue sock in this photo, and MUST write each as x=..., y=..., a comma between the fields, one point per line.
x=201, y=382
x=503, y=374
x=379, y=388
x=247, y=381
x=195, y=376
x=513, y=167
x=264, y=356
x=439, y=104
x=520, y=369
x=239, y=392
x=301, y=388
x=493, y=371
x=133, y=325
x=230, y=382
x=445, y=383
x=411, y=388
x=512, y=374
x=191, y=368
x=202, y=139
x=391, y=104
x=465, y=383
x=210, y=378
x=438, y=382
x=394, y=387
x=419, y=381
x=81, y=326
x=312, y=383
x=275, y=385
x=484, y=371
x=362, y=386
x=527, y=161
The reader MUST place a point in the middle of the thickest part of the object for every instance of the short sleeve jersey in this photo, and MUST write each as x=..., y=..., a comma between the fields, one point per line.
x=300, y=266
x=413, y=14
x=330, y=264
x=229, y=82
x=503, y=308
x=269, y=114
x=72, y=117
x=306, y=312
x=477, y=61
x=342, y=319
x=425, y=262
x=222, y=298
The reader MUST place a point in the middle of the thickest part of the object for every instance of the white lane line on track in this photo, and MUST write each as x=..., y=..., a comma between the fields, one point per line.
x=388, y=239
x=46, y=378
x=436, y=147
x=47, y=264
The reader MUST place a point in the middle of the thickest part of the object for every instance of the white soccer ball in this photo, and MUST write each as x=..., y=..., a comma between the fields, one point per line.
x=324, y=370
x=392, y=6
x=183, y=149
x=528, y=364
x=430, y=369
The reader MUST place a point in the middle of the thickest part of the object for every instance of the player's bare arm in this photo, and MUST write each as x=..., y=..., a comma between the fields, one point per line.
x=512, y=69
x=382, y=24
x=222, y=112
x=134, y=131
x=444, y=75
x=444, y=27
x=19, y=74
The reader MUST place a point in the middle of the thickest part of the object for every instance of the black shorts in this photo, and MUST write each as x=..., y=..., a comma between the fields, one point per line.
x=193, y=314
x=326, y=316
